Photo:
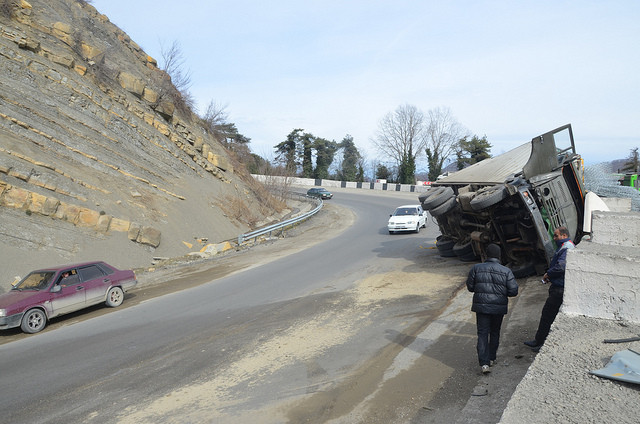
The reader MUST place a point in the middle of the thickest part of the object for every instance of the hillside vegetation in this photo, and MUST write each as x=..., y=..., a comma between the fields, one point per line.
x=99, y=157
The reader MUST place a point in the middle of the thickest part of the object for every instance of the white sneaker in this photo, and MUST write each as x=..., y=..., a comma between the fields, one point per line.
x=486, y=369
x=492, y=363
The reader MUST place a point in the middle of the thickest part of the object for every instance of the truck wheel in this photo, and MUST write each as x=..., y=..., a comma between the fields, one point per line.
x=462, y=249
x=465, y=252
x=445, y=246
x=469, y=257
x=444, y=208
x=525, y=270
x=488, y=196
x=435, y=197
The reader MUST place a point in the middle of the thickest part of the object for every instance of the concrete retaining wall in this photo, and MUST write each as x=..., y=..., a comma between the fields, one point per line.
x=603, y=274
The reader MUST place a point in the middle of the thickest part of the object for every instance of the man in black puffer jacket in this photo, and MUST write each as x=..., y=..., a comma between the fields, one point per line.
x=491, y=284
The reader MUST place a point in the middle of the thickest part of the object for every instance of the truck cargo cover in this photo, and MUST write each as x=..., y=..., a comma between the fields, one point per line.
x=494, y=170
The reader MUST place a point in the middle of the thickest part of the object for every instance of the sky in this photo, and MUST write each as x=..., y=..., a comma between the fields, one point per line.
x=506, y=69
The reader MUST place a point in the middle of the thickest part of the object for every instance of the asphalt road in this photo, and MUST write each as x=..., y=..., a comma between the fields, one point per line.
x=363, y=327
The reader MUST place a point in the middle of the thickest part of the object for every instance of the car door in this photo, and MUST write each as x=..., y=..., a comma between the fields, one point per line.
x=422, y=217
x=71, y=295
x=95, y=283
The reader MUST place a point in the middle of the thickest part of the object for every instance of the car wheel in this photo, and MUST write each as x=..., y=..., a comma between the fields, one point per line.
x=488, y=196
x=436, y=197
x=115, y=297
x=444, y=208
x=34, y=320
x=417, y=230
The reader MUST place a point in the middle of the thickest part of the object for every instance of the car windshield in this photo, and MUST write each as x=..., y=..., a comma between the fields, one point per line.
x=37, y=280
x=406, y=211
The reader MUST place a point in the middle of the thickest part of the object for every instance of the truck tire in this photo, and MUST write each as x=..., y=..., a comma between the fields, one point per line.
x=444, y=208
x=464, y=251
x=435, y=197
x=524, y=270
x=488, y=196
x=445, y=246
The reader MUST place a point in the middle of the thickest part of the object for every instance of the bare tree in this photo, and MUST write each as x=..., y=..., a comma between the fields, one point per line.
x=177, y=88
x=173, y=64
x=214, y=119
x=402, y=136
x=443, y=134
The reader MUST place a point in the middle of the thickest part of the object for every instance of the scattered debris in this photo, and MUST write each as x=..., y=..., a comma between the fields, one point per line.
x=623, y=366
x=630, y=339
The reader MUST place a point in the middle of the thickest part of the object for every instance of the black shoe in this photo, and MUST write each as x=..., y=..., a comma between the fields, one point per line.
x=536, y=349
x=532, y=344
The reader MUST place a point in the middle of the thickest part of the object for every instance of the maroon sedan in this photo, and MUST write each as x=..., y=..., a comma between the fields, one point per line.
x=50, y=292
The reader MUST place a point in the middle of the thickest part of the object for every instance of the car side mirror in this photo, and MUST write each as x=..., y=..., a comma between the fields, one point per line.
x=56, y=288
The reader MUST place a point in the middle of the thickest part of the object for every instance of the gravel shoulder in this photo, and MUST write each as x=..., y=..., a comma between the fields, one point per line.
x=558, y=387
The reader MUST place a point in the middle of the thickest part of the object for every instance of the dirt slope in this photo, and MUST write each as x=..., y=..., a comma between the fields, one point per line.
x=96, y=150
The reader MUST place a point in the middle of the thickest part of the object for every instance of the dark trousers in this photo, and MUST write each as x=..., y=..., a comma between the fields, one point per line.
x=488, y=336
x=549, y=311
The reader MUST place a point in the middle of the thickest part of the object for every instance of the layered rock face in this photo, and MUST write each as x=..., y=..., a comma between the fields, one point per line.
x=94, y=143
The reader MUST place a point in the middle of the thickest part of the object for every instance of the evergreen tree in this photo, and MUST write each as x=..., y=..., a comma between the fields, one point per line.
x=382, y=172
x=325, y=151
x=407, y=169
x=472, y=151
x=350, y=158
x=307, y=141
x=360, y=173
x=287, y=152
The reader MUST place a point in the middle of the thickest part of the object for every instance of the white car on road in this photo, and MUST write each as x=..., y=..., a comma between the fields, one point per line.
x=407, y=218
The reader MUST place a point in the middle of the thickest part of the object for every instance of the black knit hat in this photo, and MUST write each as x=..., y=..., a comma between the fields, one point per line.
x=493, y=251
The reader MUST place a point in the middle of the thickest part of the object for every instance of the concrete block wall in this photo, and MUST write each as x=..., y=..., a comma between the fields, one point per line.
x=616, y=228
x=603, y=274
x=312, y=182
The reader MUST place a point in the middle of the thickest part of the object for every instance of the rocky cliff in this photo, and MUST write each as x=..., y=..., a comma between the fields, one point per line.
x=98, y=157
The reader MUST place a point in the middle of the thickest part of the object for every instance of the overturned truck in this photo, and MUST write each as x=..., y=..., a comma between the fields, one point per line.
x=514, y=200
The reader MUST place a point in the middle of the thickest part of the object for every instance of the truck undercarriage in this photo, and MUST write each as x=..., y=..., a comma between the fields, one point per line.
x=514, y=200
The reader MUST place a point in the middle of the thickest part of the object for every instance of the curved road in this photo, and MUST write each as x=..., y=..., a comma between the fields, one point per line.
x=316, y=336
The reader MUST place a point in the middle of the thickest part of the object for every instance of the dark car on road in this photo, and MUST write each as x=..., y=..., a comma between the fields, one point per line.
x=319, y=192
x=49, y=292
